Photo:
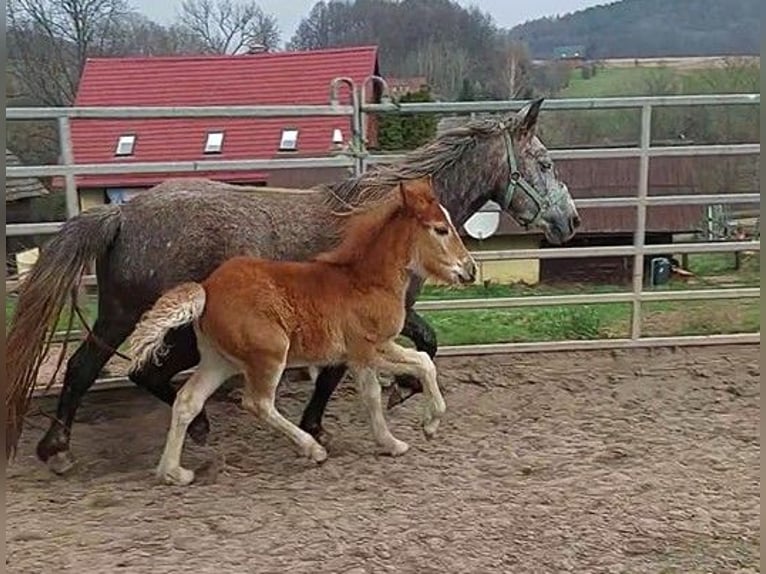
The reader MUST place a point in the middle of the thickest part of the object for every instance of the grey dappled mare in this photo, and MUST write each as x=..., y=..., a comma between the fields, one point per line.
x=182, y=229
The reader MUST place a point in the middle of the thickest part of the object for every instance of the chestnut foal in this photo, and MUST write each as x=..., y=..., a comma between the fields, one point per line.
x=259, y=316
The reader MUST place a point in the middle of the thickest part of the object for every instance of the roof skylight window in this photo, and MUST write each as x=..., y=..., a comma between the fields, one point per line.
x=214, y=142
x=125, y=145
x=289, y=141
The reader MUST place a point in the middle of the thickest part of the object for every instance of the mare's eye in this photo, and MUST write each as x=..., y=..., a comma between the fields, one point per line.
x=545, y=165
x=441, y=230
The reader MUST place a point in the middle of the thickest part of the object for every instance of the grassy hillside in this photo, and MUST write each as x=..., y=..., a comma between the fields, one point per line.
x=647, y=28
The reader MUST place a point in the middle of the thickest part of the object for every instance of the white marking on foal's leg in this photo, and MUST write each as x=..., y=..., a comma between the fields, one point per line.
x=263, y=407
x=434, y=407
x=368, y=388
x=401, y=360
x=211, y=373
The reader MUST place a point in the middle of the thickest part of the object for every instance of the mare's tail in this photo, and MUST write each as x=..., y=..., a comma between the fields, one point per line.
x=176, y=308
x=42, y=295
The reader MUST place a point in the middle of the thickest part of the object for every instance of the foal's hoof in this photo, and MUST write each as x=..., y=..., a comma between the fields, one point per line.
x=199, y=429
x=317, y=453
x=61, y=462
x=176, y=476
x=397, y=447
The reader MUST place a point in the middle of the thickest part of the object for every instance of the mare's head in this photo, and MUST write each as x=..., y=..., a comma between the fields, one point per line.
x=438, y=250
x=528, y=187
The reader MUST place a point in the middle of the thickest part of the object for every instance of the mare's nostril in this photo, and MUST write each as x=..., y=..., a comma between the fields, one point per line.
x=576, y=221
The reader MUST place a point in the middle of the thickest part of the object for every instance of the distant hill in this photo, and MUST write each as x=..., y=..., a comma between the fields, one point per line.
x=650, y=28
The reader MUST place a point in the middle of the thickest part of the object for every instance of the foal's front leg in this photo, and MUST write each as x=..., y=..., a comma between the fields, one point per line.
x=399, y=360
x=368, y=387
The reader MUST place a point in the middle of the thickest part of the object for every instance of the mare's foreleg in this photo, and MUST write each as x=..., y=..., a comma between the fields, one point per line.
x=156, y=379
x=325, y=384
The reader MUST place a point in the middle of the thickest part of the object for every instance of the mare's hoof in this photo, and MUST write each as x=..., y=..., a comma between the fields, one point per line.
x=199, y=429
x=176, y=476
x=318, y=432
x=61, y=462
x=323, y=437
x=317, y=453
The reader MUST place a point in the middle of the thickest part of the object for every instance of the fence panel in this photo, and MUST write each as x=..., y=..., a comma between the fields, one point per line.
x=358, y=158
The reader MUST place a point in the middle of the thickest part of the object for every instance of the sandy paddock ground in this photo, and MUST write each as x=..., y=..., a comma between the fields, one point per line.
x=628, y=461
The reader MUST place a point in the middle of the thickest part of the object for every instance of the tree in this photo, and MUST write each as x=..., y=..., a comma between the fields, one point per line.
x=228, y=26
x=51, y=39
x=515, y=69
x=137, y=35
x=456, y=42
x=404, y=132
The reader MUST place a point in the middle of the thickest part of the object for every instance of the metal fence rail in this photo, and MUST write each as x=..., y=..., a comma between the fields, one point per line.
x=358, y=158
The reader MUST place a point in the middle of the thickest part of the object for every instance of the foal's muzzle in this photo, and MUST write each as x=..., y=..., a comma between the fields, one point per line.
x=466, y=271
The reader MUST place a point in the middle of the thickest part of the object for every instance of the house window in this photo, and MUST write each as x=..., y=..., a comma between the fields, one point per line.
x=125, y=145
x=289, y=141
x=214, y=142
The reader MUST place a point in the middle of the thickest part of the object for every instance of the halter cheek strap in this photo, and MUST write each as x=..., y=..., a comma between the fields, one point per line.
x=515, y=181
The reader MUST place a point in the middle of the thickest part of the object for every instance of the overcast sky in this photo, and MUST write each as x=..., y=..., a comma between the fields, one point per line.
x=507, y=13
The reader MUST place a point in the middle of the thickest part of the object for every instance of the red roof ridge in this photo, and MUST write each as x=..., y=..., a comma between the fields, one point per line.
x=260, y=56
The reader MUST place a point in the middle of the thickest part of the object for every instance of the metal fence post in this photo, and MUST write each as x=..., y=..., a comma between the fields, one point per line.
x=639, y=239
x=67, y=159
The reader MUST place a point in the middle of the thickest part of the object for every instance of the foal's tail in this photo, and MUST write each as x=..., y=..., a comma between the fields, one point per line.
x=176, y=308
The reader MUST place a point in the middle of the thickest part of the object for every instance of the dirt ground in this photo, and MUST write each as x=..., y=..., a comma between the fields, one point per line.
x=626, y=461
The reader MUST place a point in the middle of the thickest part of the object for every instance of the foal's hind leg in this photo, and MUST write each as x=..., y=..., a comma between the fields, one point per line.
x=262, y=377
x=156, y=379
x=368, y=387
x=212, y=372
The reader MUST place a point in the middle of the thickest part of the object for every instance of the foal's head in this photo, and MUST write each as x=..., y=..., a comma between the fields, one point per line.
x=438, y=249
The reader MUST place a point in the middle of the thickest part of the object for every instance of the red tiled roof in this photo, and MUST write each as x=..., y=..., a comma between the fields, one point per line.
x=280, y=78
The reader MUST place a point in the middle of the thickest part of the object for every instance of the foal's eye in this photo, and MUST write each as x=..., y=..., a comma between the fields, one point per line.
x=441, y=230
x=545, y=165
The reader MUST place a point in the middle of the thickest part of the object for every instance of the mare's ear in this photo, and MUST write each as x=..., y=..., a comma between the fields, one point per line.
x=417, y=195
x=526, y=118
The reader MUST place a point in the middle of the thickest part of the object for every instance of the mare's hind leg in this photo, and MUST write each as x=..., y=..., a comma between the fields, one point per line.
x=156, y=379
x=262, y=377
x=369, y=391
x=212, y=372
x=82, y=370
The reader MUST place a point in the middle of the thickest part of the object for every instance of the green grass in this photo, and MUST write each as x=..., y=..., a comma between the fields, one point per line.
x=610, y=320
x=609, y=82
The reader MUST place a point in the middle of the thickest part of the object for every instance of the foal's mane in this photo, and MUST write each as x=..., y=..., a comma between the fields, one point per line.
x=446, y=150
x=362, y=224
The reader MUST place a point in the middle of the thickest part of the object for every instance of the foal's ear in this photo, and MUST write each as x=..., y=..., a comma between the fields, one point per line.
x=417, y=195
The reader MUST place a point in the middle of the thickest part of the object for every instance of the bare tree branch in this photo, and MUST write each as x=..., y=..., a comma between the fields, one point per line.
x=227, y=26
x=51, y=40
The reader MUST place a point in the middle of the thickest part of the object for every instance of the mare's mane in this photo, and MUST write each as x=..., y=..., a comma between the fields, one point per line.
x=447, y=149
